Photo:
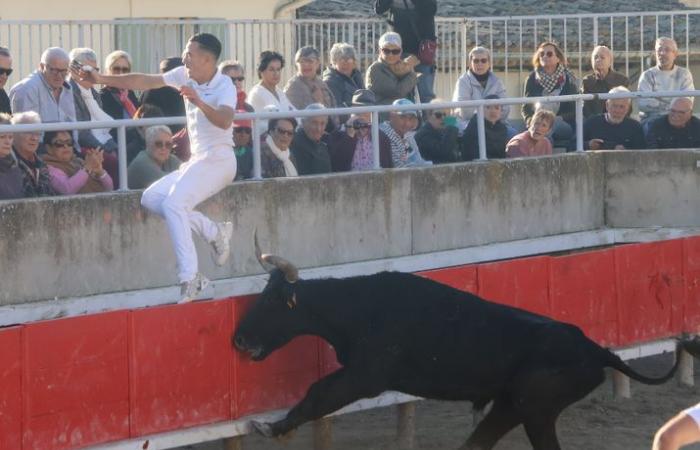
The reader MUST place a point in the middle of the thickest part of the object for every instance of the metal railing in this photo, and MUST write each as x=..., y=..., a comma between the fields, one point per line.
x=513, y=40
x=121, y=125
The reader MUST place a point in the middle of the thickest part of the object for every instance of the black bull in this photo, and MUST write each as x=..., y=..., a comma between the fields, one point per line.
x=398, y=331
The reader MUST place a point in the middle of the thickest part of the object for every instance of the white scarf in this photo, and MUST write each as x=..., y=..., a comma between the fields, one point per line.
x=96, y=114
x=282, y=155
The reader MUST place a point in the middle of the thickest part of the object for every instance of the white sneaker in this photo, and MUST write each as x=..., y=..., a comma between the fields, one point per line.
x=221, y=244
x=189, y=290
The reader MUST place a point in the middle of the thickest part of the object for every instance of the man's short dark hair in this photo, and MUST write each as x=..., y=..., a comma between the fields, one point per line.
x=208, y=42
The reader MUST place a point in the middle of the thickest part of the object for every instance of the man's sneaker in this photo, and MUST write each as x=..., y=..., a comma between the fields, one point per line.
x=221, y=244
x=189, y=290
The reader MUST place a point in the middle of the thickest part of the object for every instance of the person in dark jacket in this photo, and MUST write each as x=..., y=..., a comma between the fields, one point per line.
x=613, y=130
x=601, y=80
x=308, y=149
x=342, y=77
x=437, y=137
x=495, y=130
x=36, y=179
x=243, y=147
x=121, y=103
x=5, y=72
x=11, y=185
x=676, y=129
x=552, y=78
x=414, y=20
x=167, y=98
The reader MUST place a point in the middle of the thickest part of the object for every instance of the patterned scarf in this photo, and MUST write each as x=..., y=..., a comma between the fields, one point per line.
x=363, y=158
x=550, y=82
x=399, y=146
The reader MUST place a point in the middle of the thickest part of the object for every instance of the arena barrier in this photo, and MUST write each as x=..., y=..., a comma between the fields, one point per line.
x=145, y=376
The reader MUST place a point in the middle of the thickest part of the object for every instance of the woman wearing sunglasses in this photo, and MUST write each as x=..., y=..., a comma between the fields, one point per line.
x=477, y=83
x=390, y=77
x=276, y=159
x=552, y=78
x=70, y=174
x=5, y=72
x=155, y=161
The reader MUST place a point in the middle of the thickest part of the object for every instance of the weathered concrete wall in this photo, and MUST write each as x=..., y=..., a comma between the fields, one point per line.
x=652, y=188
x=79, y=246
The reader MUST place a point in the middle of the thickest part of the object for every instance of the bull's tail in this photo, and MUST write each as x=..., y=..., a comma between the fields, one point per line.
x=614, y=361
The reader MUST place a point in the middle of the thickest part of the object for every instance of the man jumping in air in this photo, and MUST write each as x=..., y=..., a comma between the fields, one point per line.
x=210, y=102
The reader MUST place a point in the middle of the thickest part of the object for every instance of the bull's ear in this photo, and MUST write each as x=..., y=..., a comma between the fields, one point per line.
x=292, y=302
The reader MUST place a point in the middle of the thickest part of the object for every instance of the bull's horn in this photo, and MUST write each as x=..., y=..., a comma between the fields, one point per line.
x=258, y=254
x=291, y=273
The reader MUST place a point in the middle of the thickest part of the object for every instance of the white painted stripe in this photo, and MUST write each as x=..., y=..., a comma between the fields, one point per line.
x=58, y=308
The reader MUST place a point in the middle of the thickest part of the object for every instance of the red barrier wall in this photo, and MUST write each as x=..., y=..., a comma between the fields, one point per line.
x=74, y=382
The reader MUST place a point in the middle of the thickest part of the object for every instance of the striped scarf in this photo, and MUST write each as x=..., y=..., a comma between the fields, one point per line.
x=550, y=82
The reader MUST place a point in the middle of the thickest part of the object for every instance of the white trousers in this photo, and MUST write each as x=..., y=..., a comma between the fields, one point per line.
x=175, y=196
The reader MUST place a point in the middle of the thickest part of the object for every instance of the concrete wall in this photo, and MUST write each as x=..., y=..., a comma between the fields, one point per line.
x=78, y=246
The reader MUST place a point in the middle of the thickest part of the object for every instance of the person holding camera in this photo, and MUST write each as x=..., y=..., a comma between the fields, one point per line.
x=437, y=137
x=350, y=147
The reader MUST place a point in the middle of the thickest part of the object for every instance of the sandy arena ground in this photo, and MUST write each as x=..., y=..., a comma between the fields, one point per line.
x=596, y=423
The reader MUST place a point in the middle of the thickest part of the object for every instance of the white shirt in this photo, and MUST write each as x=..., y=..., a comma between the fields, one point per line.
x=219, y=91
x=259, y=97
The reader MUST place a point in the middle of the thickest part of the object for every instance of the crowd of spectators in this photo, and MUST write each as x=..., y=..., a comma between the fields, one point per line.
x=68, y=162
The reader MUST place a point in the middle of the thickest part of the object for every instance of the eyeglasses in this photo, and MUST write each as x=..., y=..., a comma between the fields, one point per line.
x=480, y=60
x=163, y=144
x=439, y=115
x=62, y=144
x=56, y=71
x=284, y=132
x=548, y=54
x=238, y=79
x=120, y=69
x=7, y=72
x=391, y=51
x=679, y=112
x=245, y=130
x=361, y=125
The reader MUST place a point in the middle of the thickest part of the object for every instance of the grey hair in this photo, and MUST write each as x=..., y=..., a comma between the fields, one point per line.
x=307, y=52
x=618, y=90
x=603, y=48
x=153, y=132
x=662, y=39
x=26, y=117
x=83, y=55
x=4, y=51
x=479, y=49
x=677, y=99
x=341, y=50
x=114, y=56
x=312, y=107
x=231, y=64
x=54, y=53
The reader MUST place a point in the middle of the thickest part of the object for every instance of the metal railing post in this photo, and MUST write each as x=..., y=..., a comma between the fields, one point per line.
x=579, y=125
x=121, y=154
x=375, y=140
x=257, y=165
x=481, y=131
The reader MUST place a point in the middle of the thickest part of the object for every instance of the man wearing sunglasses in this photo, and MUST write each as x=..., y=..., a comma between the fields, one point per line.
x=5, y=72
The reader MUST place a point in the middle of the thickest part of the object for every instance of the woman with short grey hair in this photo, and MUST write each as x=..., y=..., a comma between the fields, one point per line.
x=342, y=77
x=477, y=83
x=36, y=179
x=306, y=87
x=156, y=161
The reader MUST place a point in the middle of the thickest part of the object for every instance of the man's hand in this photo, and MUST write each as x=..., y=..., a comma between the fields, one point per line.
x=412, y=60
x=595, y=144
x=85, y=73
x=189, y=93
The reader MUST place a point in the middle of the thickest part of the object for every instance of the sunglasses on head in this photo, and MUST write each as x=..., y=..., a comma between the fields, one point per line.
x=238, y=78
x=548, y=54
x=7, y=72
x=480, y=60
x=289, y=133
x=62, y=144
x=245, y=130
x=391, y=51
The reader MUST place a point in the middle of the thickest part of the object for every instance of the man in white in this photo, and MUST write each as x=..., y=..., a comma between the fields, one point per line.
x=210, y=102
x=665, y=76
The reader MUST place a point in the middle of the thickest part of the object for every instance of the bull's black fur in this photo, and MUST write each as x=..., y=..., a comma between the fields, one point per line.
x=398, y=331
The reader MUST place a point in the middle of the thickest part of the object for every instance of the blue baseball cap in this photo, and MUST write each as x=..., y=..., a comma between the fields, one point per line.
x=404, y=102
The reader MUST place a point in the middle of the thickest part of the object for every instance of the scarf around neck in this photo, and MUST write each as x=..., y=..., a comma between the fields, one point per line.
x=550, y=82
x=283, y=156
x=96, y=114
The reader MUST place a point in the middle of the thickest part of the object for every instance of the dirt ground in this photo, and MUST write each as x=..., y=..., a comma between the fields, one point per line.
x=598, y=422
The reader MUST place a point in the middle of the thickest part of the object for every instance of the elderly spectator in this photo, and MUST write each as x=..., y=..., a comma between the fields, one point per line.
x=342, y=77
x=414, y=21
x=351, y=147
x=551, y=78
x=46, y=90
x=11, y=185
x=399, y=129
x=166, y=98
x=676, y=129
x=243, y=147
x=68, y=173
x=276, y=159
x=533, y=141
x=5, y=72
x=477, y=83
x=665, y=76
x=36, y=180
x=391, y=78
x=613, y=130
x=156, y=161
x=138, y=136
x=235, y=70
x=267, y=92
x=88, y=105
x=495, y=130
x=309, y=150
x=119, y=103
x=437, y=137
x=601, y=80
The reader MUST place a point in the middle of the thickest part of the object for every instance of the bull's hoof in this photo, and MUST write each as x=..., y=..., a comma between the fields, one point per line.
x=262, y=428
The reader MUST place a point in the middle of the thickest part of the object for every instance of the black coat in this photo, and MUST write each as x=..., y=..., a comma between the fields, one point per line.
x=112, y=106
x=420, y=18
x=169, y=100
x=567, y=110
x=662, y=135
x=496, y=140
x=5, y=106
x=628, y=133
x=343, y=86
x=438, y=145
x=310, y=157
